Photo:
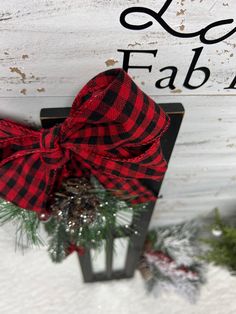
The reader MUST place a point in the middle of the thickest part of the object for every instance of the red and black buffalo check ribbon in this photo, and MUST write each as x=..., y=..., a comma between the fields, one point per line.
x=113, y=133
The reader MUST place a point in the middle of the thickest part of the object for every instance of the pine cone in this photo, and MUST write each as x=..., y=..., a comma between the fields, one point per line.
x=75, y=204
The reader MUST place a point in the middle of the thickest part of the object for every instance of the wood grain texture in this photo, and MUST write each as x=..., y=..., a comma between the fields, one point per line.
x=51, y=48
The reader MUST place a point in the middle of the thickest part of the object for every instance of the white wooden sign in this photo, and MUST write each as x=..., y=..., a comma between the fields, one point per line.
x=176, y=51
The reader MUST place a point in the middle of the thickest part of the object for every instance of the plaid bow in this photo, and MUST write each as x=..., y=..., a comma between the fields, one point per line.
x=113, y=133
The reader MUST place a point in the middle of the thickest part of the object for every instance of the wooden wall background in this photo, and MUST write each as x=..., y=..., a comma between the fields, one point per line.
x=50, y=48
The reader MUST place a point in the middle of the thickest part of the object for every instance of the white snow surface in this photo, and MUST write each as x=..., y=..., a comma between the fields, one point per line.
x=32, y=284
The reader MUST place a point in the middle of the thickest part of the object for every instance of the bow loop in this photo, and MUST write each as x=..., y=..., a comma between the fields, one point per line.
x=53, y=154
x=113, y=133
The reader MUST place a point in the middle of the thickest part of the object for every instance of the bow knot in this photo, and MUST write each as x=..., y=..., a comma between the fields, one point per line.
x=112, y=133
x=53, y=154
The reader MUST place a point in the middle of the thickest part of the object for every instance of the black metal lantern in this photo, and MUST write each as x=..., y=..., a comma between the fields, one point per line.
x=51, y=116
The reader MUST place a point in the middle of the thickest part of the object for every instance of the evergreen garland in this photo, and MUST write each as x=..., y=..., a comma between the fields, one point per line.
x=60, y=237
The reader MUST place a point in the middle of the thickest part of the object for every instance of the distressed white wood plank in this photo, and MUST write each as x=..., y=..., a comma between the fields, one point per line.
x=172, y=211
x=202, y=170
x=53, y=47
x=27, y=110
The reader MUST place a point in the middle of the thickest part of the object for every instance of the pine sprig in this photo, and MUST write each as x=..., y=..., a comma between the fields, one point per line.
x=27, y=224
x=110, y=219
x=222, y=249
x=92, y=236
x=59, y=243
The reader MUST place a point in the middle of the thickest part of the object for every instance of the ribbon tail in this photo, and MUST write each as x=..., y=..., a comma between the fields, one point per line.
x=131, y=190
x=11, y=129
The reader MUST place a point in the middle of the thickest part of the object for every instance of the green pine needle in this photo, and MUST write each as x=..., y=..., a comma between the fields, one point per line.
x=111, y=209
x=222, y=249
x=59, y=243
x=92, y=236
x=27, y=224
